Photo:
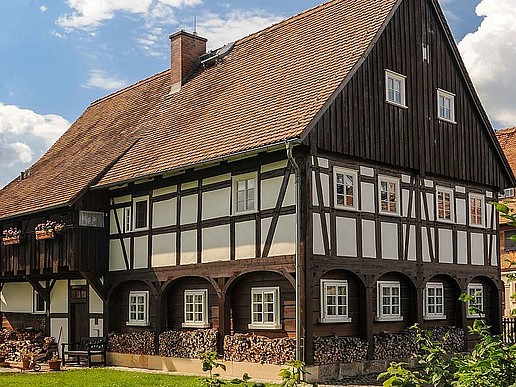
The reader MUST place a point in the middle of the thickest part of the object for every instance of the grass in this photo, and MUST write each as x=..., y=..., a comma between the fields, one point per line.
x=99, y=377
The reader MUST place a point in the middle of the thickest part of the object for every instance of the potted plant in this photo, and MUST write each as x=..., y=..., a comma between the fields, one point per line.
x=25, y=357
x=54, y=364
x=11, y=236
x=48, y=230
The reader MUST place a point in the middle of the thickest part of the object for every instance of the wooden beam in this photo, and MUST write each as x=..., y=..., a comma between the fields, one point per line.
x=96, y=284
x=44, y=293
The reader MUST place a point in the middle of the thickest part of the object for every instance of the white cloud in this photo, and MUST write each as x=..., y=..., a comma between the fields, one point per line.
x=489, y=54
x=102, y=80
x=43, y=8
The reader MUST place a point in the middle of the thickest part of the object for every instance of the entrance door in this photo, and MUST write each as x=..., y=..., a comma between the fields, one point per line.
x=79, y=319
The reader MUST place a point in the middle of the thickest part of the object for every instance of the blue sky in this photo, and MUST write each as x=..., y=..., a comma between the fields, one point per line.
x=58, y=56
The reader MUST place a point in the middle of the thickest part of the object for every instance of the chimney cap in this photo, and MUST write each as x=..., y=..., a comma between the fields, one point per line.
x=183, y=32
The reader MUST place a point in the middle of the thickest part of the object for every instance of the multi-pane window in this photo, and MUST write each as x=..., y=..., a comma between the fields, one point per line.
x=265, y=308
x=345, y=188
x=476, y=305
x=334, y=301
x=389, y=300
x=444, y=204
x=389, y=195
x=39, y=305
x=509, y=243
x=196, y=308
x=245, y=193
x=128, y=219
x=395, y=88
x=434, y=300
x=476, y=210
x=138, y=308
x=446, y=105
x=91, y=219
x=141, y=213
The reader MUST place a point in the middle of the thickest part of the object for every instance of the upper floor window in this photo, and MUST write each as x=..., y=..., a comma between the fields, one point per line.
x=476, y=305
x=196, y=308
x=389, y=195
x=334, y=301
x=395, y=88
x=444, y=204
x=509, y=243
x=138, y=308
x=434, y=300
x=476, y=210
x=507, y=193
x=446, y=105
x=141, y=213
x=91, y=219
x=265, y=308
x=345, y=192
x=389, y=300
x=38, y=304
x=245, y=193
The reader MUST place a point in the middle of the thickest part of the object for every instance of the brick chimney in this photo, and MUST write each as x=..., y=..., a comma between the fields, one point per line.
x=185, y=49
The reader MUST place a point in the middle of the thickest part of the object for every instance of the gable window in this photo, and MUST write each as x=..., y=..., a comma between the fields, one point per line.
x=395, y=88
x=509, y=243
x=476, y=291
x=446, y=105
x=196, y=308
x=38, y=304
x=245, y=193
x=476, y=210
x=141, y=213
x=507, y=193
x=389, y=195
x=334, y=301
x=434, y=301
x=389, y=301
x=265, y=308
x=345, y=192
x=444, y=198
x=91, y=219
x=138, y=308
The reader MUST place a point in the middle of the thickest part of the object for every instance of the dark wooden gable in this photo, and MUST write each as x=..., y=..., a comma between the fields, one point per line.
x=359, y=123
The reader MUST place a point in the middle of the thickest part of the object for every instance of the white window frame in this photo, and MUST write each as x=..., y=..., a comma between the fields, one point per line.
x=389, y=179
x=275, y=324
x=337, y=318
x=354, y=175
x=472, y=289
x=86, y=218
x=380, y=315
x=389, y=74
x=433, y=315
x=127, y=221
x=195, y=323
x=135, y=202
x=482, y=207
x=507, y=193
x=35, y=297
x=445, y=190
x=450, y=96
x=136, y=321
x=236, y=180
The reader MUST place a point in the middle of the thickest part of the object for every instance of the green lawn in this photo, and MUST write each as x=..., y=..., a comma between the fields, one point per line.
x=98, y=377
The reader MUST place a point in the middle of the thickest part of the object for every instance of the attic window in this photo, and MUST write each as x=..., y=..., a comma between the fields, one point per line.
x=395, y=88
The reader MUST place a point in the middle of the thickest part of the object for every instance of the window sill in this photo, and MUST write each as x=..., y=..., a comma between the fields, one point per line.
x=264, y=326
x=329, y=320
x=475, y=316
x=447, y=120
x=437, y=317
x=447, y=221
x=389, y=319
x=195, y=325
x=400, y=105
x=245, y=213
x=137, y=324
x=345, y=208
x=395, y=214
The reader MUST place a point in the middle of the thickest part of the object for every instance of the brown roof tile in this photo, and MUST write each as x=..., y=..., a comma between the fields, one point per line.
x=507, y=140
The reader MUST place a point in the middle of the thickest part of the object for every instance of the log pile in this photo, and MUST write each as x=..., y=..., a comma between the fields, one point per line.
x=335, y=349
x=455, y=338
x=187, y=344
x=17, y=341
x=395, y=346
x=137, y=343
x=246, y=347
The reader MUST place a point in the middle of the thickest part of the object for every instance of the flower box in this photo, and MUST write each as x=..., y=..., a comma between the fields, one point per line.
x=45, y=234
x=15, y=240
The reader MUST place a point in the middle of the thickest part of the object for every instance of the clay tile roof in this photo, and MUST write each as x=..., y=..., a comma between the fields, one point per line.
x=507, y=140
x=267, y=90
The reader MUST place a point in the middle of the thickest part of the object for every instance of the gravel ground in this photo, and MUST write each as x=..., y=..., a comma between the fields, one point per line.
x=356, y=381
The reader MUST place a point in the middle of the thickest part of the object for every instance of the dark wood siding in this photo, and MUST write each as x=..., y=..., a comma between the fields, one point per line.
x=361, y=124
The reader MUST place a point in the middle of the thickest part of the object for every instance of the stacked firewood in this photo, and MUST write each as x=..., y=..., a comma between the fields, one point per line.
x=258, y=349
x=395, y=345
x=335, y=349
x=14, y=342
x=452, y=337
x=187, y=344
x=137, y=343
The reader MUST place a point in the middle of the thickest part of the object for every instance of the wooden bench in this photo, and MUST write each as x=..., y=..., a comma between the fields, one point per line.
x=87, y=347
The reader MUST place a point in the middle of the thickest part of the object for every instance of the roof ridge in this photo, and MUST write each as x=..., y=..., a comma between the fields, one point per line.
x=505, y=131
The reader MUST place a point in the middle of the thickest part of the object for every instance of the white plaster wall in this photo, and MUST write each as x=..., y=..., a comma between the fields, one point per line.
x=273, y=166
x=488, y=212
x=16, y=297
x=462, y=247
x=270, y=192
x=429, y=183
x=189, y=209
x=368, y=239
x=445, y=246
x=96, y=327
x=325, y=182
x=95, y=302
x=368, y=200
x=284, y=240
x=116, y=256
x=163, y=250
x=405, y=200
x=431, y=206
x=122, y=199
x=366, y=171
x=216, y=179
x=78, y=282
x=323, y=163
x=346, y=237
x=477, y=249
x=245, y=240
x=460, y=209
x=188, y=247
x=405, y=178
x=412, y=244
x=164, y=191
x=389, y=240
x=215, y=244
x=216, y=203
x=189, y=185
x=494, y=252
x=318, y=244
x=113, y=229
x=426, y=244
x=164, y=213
x=141, y=252
x=290, y=195
x=59, y=325
x=59, y=297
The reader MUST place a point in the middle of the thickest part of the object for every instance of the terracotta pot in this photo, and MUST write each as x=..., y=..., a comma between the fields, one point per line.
x=54, y=365
x=25, y=364
x=45, y=234
x=11, y=240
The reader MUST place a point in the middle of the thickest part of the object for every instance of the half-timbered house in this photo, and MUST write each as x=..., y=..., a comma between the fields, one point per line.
x=325, y=180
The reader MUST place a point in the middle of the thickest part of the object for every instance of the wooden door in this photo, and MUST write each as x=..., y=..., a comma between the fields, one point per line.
x=79, y=319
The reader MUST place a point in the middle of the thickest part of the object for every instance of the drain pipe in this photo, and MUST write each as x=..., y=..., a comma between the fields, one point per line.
x=299, y=268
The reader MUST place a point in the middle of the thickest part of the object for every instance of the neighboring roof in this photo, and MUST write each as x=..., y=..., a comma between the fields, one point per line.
x=267, y=90
x=507, y=140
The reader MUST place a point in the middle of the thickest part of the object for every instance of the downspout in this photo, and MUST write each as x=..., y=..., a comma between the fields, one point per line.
x=299, y=268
